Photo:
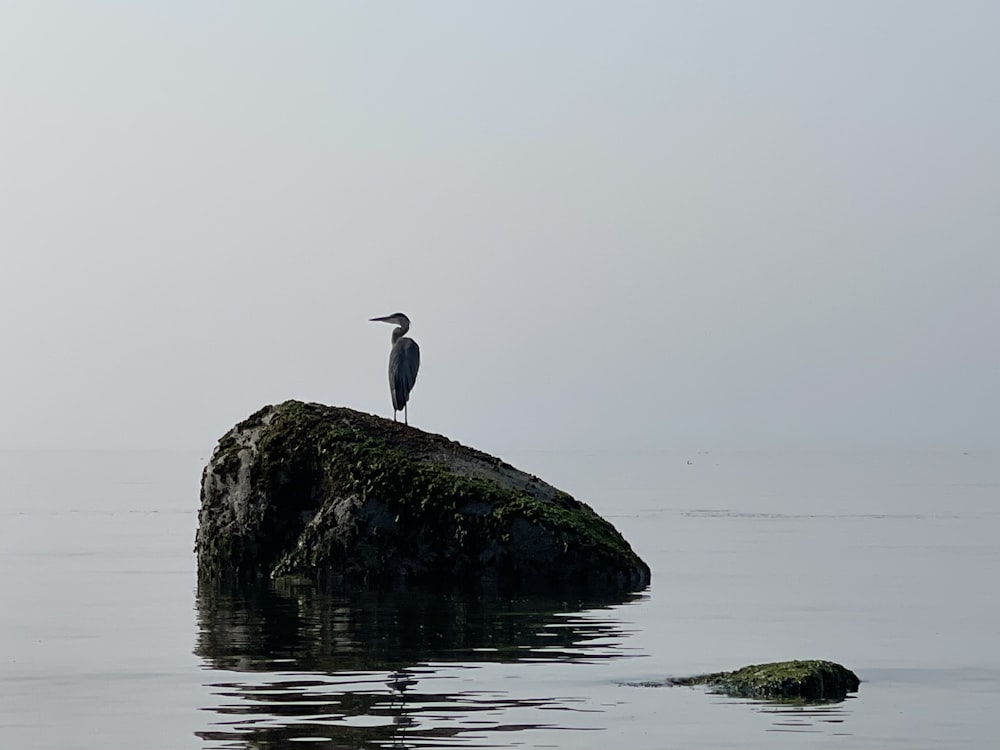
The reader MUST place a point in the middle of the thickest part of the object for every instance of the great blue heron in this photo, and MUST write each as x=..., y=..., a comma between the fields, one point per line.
x=404, y=361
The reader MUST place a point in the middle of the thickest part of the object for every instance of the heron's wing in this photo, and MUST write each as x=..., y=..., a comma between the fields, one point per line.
x=404, y=361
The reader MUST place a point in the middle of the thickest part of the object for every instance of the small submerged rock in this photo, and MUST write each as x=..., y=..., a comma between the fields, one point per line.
x=357, y=502
x=813, y=680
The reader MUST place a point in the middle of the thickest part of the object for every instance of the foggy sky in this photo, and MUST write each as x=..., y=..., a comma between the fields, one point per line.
x=613, y=225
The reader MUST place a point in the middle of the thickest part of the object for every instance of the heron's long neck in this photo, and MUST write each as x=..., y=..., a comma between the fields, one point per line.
x=399, y=332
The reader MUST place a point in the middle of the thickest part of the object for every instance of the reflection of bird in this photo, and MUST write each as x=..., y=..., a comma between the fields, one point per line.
x=404, y=361
x=399, y=681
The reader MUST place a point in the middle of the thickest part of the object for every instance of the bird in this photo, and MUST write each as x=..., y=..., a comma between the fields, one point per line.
x=404, y=361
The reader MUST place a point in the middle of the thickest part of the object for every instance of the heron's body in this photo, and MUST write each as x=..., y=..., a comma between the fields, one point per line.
x=404, y=361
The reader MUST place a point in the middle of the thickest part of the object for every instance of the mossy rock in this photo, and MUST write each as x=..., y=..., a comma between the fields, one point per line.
x=357, y=502
x=812, y=681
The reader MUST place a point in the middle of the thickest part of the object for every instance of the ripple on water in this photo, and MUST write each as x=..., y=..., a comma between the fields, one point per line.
x=391, y=670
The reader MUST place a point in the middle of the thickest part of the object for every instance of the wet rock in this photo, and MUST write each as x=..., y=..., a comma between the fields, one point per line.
x=813, y=680
x=357, y=502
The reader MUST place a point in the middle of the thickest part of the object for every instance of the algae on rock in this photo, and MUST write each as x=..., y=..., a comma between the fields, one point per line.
x=810, y=680
x=357, y=502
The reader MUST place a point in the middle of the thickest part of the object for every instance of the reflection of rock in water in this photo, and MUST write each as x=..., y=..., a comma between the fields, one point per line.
x=370, y=658
x=302, y=629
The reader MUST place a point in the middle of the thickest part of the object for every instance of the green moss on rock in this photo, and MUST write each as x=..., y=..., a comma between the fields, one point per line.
x=302, y=490
x=812, y=680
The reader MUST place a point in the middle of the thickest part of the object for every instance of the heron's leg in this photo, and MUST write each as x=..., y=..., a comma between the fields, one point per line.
x=393, y=415
x=406, y=416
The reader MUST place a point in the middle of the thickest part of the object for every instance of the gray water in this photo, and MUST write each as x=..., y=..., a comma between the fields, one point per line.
x=883, y=562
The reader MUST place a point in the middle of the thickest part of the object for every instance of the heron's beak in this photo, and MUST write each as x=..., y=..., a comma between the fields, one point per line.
x=386, y=319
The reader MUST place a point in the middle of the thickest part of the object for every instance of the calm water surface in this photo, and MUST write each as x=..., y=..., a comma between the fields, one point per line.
x=883, y=562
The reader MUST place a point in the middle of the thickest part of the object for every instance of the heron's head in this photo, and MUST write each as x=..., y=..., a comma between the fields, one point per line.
x=397, y=318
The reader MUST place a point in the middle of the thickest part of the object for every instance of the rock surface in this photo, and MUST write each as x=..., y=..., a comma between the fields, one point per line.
x=358, y=502
x=812, y=680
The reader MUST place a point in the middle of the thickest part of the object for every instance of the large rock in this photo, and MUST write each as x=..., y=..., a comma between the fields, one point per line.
x=359, y=502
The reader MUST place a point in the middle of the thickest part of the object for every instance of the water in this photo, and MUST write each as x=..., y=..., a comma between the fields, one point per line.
x=883, y=562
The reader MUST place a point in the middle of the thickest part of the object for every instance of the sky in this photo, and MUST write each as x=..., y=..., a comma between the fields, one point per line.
x=634, y=225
